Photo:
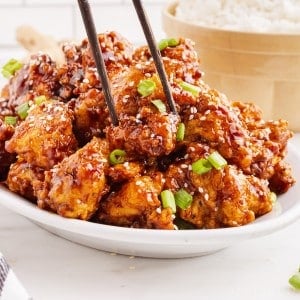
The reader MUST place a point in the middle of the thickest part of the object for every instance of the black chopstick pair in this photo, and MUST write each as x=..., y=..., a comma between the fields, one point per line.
x=100, y=65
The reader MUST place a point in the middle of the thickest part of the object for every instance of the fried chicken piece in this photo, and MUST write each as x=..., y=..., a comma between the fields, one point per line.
x=153, y=135
x=213, y=121
x=35, y=78
x=23, y=178
x=254, y=148
x=180, y=62
x=117, y=52
x=221, y=198
x=74, y=187
x=45, y=137
x=137, y=205
x=79, y=73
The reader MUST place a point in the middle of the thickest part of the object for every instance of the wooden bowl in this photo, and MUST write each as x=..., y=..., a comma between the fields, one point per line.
x=263, y=68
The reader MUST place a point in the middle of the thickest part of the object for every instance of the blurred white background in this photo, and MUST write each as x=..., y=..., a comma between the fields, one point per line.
x=61, y=19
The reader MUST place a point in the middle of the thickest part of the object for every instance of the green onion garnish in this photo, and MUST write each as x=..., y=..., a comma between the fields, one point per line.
x=146, y=87
x=172, y=42
x=159, y=105
x=164, y=43
x=183, y=199
x=201, y=166
x=22, y=110
x=168, y=200
x=117, y=156
x=180, y=132
x=294, y=281
x=10, y=68
x=39, y=99
x=194, y=90
x=217, y=160
x=10, y=120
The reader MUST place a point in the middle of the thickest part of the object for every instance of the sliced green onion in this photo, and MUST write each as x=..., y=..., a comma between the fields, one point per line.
x=10, y=68
x=294, y=281
x=10, y=120
x=22, y=110
x=194, y=90
x=168, y=200
x=183, y=199
x=172, y=42
x=201, y=166
x=39, y=99
x=146, y=87
x=159, y=105
x=163, y=44
x=217, y=160
x=180, y=132
x=117, y=156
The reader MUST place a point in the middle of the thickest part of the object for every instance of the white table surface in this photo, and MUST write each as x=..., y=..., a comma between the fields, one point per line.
x=51, y=267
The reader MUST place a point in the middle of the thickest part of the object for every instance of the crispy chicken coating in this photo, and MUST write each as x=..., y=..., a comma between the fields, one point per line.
x=45, y=137
x=23, y=178
x=221, y=198
x=153, y=134
x=35, y=78
x=74, y=187
x=136, y=204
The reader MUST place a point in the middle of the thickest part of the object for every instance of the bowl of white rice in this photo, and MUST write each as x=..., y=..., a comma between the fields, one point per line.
x=248, y=49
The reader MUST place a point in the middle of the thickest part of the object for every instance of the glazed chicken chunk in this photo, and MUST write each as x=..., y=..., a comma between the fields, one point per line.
x=74, y=187
x=136, y=204
x=45, y=137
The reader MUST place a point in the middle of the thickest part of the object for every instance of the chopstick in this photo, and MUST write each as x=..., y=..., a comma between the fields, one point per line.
x=155, y=53
x=98, y=57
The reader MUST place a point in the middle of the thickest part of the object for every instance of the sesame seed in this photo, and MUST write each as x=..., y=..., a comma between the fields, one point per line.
x=193, y=110
x=200, y=189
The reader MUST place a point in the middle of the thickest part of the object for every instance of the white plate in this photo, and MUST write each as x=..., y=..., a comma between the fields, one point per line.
x=161, y=243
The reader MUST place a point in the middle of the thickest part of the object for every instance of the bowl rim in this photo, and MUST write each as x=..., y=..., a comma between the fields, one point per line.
x=169, y=9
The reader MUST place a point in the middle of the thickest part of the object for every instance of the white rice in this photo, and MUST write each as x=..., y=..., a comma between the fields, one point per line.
x=278, y=16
